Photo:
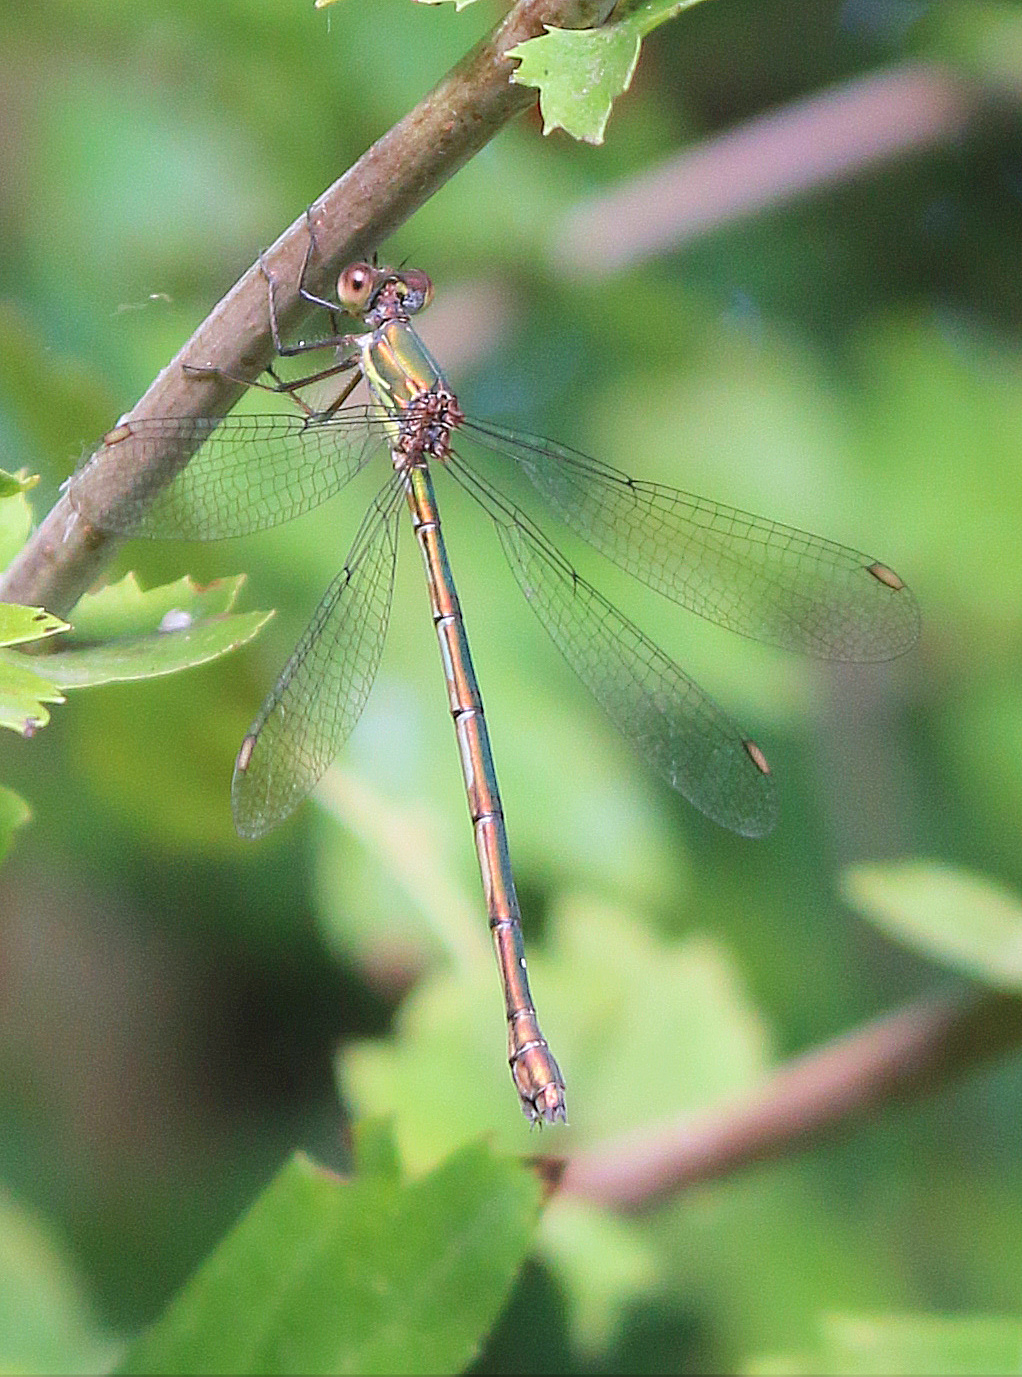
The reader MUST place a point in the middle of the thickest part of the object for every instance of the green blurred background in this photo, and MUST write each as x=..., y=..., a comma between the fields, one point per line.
x=179, y=1010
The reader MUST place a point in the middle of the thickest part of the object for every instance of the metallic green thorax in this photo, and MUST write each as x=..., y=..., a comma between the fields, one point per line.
x=397, y=367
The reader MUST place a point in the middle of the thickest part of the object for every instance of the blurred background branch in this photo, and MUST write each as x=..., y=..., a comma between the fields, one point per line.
x=773, y=159
x=915, y=1051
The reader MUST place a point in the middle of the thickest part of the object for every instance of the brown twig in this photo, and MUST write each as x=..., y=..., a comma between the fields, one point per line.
x=390, y=181
x=896, y=1058
x=770, y=160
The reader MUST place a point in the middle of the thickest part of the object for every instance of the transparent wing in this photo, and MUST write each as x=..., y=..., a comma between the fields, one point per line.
x=324, y=686
x=664, y=713
x=757, y=577
x=246, y=472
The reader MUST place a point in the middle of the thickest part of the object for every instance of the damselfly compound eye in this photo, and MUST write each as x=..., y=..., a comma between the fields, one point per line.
x=356, y=285
x=418, y=288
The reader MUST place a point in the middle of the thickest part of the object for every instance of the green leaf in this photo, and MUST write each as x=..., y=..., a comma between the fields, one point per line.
x=375, y=1150
x=163, y=652
x=125, y=609
x=864, y=1346
x=11, y=484
x=360, y=1276
x=634, y=1022
x=981, y=40
x=603, y=1262
x=15, y=523
x=960, y=919
x=19, y=624
x=46, y=1324
x=23, y=691
x=14, y=813
x=142, y=634
x=581, y=72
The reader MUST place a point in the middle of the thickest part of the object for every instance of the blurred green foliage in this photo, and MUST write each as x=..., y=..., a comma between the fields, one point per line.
x=180, y=1011
x=323, y=1275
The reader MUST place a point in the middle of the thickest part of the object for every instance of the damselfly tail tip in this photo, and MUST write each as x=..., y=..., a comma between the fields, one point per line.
x=536, y=1075
x=548, y=1106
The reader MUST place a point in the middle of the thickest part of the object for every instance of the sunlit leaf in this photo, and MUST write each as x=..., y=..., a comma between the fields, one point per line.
x=19, y=624
x=138, y=635
x=983, y=39
x=46, y=1323
x=602, y=1261
x=581, y=72
x=961, y=919
x=144, y=634
x=910, y=1345
x=182, y=646
x=23, y=691
x=13, y=483
x=15, y=524
x=368, y=1275
x=376, y=1151
x=125, y=609
x=635, y=1023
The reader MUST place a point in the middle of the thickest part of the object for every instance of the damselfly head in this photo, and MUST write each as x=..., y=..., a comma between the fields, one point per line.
x=379, y=294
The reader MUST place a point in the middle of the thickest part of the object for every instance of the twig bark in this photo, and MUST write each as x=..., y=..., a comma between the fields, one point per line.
x=912, y=1052
x=390, y=181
